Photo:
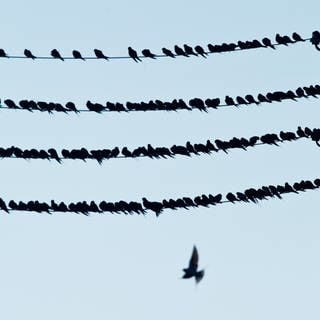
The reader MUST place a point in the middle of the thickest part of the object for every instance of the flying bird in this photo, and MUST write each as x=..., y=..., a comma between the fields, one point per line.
x=56, y=54
x=192, y=270
x=133, y=54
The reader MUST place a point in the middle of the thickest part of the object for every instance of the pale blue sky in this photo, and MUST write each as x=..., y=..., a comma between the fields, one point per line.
x=261, y=260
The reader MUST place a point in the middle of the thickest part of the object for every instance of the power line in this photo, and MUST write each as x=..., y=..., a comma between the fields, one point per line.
x=152, y=152
x=177, y=104
x=250, y=195
x=185, y=50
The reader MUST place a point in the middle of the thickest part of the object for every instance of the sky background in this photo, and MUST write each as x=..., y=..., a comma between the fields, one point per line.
x=261, y=261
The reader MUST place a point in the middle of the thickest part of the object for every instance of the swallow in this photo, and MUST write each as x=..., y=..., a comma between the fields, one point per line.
x=148, y=54
x=191, y=271
x=100, y=55
x=296, y=37
x=133, y=54
x=267, y=43
x=3, y=54
x=200, y=50
x=168, y=52
x=29, y=54
x=77, y=55
x=188, y=50
x=56, y=54
x=179, y=51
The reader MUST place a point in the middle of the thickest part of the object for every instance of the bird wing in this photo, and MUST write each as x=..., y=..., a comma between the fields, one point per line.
x=199, y=276
x=193, y=263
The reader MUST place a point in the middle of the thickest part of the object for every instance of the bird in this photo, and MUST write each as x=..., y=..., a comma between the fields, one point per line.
x=3, y=54
x=189, y=50
x=296, y=37
x=267, y=43
x=71, y=106
x=100, y=55
x=200, y=50
x=77, y=55
x=148, y=54
x=179, y=51
x=56, y=54
x=168, y=52
x=29, y=54
x=192, y=270
x=229, y=101
x=133, y=54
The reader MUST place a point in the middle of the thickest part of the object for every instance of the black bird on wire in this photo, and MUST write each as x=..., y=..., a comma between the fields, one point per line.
x=29, y=54
x=189, y=50
x=100, y=55
x=133, y=54
x=200, y=50
x=168, y=52
x=296, y=37
x=3, y=54
x=77, y=55
x=56, y=54
x=192, y=270
x=315, y=39
x=148, y=54
x=179, y=51
x=267, y=43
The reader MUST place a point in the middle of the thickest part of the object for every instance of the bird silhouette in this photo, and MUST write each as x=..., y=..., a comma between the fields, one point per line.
x=154, y=206
x=168, y=52
x=179, y=51
x=100, y=55
x=71, y=106
x=56, y=54
x=189, y=50
x=3, y=54
x=200, y=50
x=29, y=54
x=133, y=54
x=267, y=43
x=192, y=270
x=296, y=37
x=77, y=55
x=148, y=54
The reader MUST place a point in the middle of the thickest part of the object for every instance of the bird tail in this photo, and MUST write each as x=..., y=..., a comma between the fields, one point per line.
x=199, y=275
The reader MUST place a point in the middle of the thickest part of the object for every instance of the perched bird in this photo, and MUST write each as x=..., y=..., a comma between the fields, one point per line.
x=189, y=50
x=192, y=270
x=179, y=51
x=77, y=55
x=229, y=101
x=29, y=54
x=3, y=54
x=168, y=52
x=315, y=39
x=200, y=50
x=71, y=106
x=148, y=54
x=56, y=54
x=296, y=37
x=267, y=43
x=100, y=55
x=133, y=54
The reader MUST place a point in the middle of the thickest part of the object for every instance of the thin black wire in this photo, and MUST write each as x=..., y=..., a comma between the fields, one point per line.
x=5, y=207
x=159, y=156
x=191, y=108
x=139, y=56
